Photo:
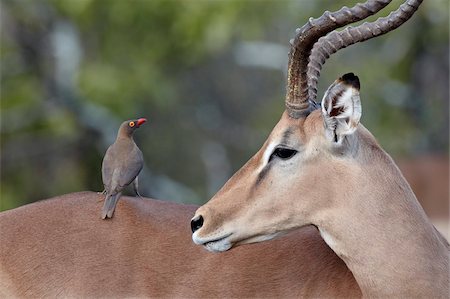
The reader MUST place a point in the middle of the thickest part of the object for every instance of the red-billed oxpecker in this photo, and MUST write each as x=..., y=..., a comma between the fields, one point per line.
x=121, y=165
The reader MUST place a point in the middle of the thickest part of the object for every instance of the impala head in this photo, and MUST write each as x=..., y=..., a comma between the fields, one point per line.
x=312, y=160
x=280, y=189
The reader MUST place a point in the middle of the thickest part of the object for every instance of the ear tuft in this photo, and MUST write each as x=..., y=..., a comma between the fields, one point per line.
x=351, y=80
x=341, y=108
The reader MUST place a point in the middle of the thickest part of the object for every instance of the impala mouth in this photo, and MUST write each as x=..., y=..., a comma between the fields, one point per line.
x=214, y=245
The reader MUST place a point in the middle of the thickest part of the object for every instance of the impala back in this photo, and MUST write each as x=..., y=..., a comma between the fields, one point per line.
x=61, y=248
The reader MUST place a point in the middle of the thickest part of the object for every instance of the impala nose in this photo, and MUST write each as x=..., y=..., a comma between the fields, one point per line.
x=196, y=223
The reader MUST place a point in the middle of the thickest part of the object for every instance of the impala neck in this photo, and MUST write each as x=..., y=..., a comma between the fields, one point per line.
x=383, y=235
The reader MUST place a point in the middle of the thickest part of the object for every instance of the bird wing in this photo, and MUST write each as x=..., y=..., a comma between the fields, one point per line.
x=108, y=167
x=132, y=167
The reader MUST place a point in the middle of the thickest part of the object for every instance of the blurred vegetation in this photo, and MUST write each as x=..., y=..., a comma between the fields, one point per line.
x=209, y=76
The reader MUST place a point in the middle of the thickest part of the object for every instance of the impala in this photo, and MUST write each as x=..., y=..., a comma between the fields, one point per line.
x=60, y=248
x=321, y=167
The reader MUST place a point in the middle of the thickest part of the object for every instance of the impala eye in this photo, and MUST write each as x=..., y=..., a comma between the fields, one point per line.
x=283, y=153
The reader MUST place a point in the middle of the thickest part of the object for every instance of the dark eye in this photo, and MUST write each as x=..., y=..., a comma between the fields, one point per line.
x=283, y=153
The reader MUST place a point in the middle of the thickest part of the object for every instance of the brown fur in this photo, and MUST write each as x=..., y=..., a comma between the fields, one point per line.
x=429, y=178
x=61, y=248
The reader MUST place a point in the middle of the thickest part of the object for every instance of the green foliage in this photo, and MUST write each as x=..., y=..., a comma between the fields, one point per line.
x=72, y=70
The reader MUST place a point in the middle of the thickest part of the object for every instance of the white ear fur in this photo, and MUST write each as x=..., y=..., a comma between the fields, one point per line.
x=341, y=108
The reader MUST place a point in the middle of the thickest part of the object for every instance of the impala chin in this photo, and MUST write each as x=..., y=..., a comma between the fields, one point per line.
x=227, y=242
x=213, y=244
x=260, y=238
x=218, y=246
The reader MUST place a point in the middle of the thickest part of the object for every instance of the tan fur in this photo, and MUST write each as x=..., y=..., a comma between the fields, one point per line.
x=61, y=248
x=353, y=193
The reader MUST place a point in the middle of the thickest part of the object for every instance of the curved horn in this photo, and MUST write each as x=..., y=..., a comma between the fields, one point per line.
x=337, y=40
x=297, y=102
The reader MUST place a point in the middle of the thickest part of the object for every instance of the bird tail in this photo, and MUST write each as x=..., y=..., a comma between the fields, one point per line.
x=110, y=205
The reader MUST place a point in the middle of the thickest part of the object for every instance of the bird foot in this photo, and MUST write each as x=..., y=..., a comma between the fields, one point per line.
x=101, y=193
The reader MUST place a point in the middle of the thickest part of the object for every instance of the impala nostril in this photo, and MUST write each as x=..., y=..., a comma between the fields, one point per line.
x=196, y=223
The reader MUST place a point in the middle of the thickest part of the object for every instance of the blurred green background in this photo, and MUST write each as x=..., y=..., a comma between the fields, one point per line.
x=210, y=77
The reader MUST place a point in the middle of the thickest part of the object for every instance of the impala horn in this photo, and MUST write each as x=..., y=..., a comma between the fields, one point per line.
x=337, y=40
x=304, y=70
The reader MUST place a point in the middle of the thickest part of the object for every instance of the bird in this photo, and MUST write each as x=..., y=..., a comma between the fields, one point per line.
x=122, y=163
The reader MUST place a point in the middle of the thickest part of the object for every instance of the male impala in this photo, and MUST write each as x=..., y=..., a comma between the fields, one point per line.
x=60, y=247
x=321, y=167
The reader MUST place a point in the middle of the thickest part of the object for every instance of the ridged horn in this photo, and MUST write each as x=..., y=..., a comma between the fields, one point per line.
x=337, y=40
x=297, y=103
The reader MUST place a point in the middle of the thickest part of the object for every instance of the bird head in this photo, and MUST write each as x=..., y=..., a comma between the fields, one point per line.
x=130, y=126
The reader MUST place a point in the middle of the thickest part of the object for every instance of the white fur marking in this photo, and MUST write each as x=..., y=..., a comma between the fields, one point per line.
x=345, y=101
x=327, y=238
x=345, y=123
x=267, y=153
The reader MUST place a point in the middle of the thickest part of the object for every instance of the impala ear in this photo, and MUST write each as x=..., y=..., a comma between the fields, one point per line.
x=341, y=108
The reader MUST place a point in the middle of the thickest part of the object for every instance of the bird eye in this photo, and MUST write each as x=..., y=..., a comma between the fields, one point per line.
x=131, y=124
x=283, y=153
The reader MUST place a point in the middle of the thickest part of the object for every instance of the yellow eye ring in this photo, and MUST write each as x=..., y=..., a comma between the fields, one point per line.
x=131, y=124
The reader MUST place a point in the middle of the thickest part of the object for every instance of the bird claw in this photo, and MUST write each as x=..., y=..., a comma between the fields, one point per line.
x=101, y=193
